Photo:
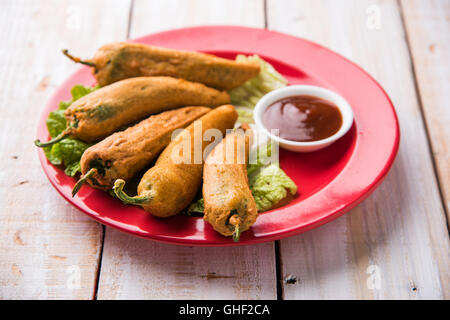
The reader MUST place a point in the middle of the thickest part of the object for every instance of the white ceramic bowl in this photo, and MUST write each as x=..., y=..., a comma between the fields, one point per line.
x=297, y=90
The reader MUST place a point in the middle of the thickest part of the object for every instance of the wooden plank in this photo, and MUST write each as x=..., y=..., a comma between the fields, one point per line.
x=179, y=14
x=48, y=248
x=394, y=245
x=428, y=30
x=136, y=268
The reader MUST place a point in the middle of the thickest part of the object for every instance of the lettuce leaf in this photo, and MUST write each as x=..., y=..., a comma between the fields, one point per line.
x=79, y=91
x=73, y=168
x=68, y=151
x=268, y=182
x=56, y=122
x=196, y=207
x=269, y=186
x=251, y=91
x=259, y=158
x=245, y=115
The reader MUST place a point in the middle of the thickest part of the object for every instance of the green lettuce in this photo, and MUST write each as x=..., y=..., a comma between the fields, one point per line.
x=196, y=207
x=56, y=122
x=245, y=115
x=251, y=91
x=269, y=186
x=68, y=151
x=259, y=158
x=268, y=182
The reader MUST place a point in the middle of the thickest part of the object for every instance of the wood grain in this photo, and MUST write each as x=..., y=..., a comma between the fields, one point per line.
x=172, y=14
x=399, y=234
x=46, y=244
x=428, y=31
x=135, y=268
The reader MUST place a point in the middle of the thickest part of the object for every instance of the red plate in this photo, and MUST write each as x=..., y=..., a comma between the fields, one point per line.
x=330, y=181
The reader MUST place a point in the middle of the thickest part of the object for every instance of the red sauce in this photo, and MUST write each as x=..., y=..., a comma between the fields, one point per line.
x=303, y=118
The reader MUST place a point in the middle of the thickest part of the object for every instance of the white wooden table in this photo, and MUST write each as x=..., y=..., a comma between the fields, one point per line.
x=395, y=245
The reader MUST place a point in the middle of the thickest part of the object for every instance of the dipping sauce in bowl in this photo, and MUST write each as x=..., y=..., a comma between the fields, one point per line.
x=307, y=118
x=303, y=118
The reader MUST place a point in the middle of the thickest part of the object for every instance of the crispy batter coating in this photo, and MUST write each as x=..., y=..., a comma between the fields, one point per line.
x=120, y=60
x=173, y=184
x=227, y=195
x=125, y=153
x=106, y=110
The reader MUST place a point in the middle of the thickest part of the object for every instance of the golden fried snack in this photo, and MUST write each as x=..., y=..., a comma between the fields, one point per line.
x=229, y=204
x=104, y=111
x=124, y=153
x=120, y=60
x=171, y=185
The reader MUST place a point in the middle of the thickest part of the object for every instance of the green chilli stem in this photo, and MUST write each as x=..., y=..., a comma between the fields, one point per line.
x=236, y=233
x=82, y=181
x=56, y=139
x=118, y=190
x=66, y=133
x=78, y=60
